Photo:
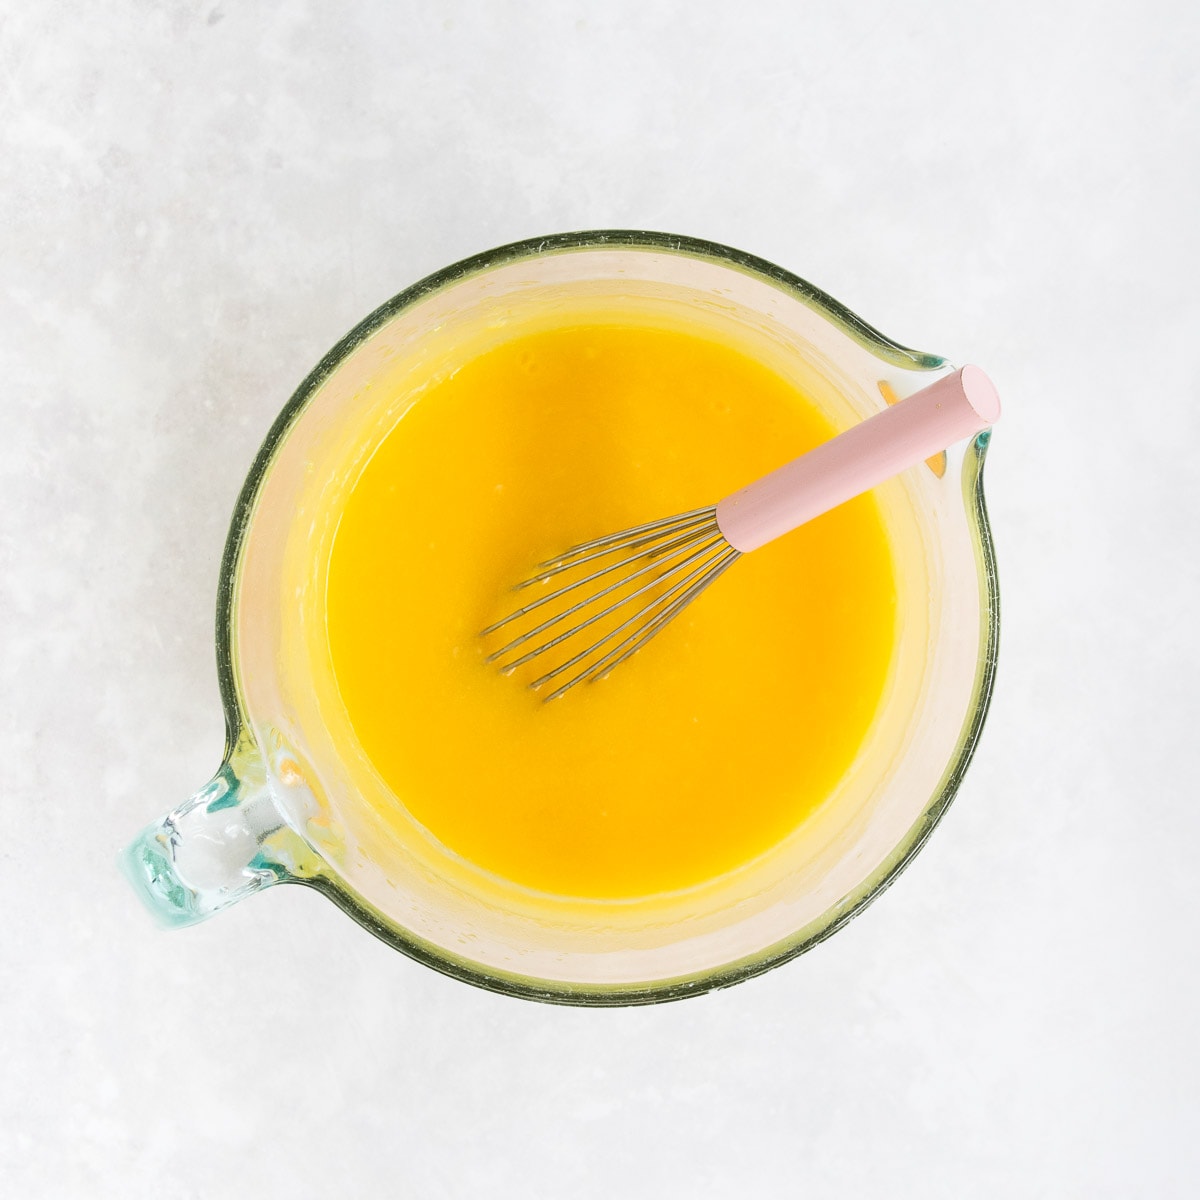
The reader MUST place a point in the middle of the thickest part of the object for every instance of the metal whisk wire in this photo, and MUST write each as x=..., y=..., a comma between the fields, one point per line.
x=683, y=555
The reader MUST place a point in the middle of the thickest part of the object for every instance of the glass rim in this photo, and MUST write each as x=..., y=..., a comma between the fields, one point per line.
x=237, y=726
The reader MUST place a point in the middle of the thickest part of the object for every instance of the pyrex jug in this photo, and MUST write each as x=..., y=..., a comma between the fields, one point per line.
x=282, y=807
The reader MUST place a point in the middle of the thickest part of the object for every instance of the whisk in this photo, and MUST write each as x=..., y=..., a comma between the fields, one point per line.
x=653, y=571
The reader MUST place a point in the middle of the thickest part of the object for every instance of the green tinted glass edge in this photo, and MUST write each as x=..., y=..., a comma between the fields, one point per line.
x=237, y=727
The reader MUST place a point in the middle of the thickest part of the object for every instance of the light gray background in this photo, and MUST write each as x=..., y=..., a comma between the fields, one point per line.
x=198, y=199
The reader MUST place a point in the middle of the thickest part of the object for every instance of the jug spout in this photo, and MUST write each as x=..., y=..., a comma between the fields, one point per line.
x=209, y=852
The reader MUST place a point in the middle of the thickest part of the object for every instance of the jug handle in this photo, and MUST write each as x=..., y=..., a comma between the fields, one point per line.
x=210, y=851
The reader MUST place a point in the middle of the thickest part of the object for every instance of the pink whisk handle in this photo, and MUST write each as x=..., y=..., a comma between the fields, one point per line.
x=957, y=406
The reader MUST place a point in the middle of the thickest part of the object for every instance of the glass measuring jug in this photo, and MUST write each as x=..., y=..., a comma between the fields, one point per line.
x=291, y=803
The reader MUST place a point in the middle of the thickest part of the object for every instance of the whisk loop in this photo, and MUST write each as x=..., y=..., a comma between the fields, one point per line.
x=660, y=568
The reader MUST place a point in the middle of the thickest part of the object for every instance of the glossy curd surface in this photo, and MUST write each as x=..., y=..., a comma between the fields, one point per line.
x=710, y=745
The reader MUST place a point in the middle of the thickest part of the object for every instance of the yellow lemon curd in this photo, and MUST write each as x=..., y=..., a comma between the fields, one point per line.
x=705, y=749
